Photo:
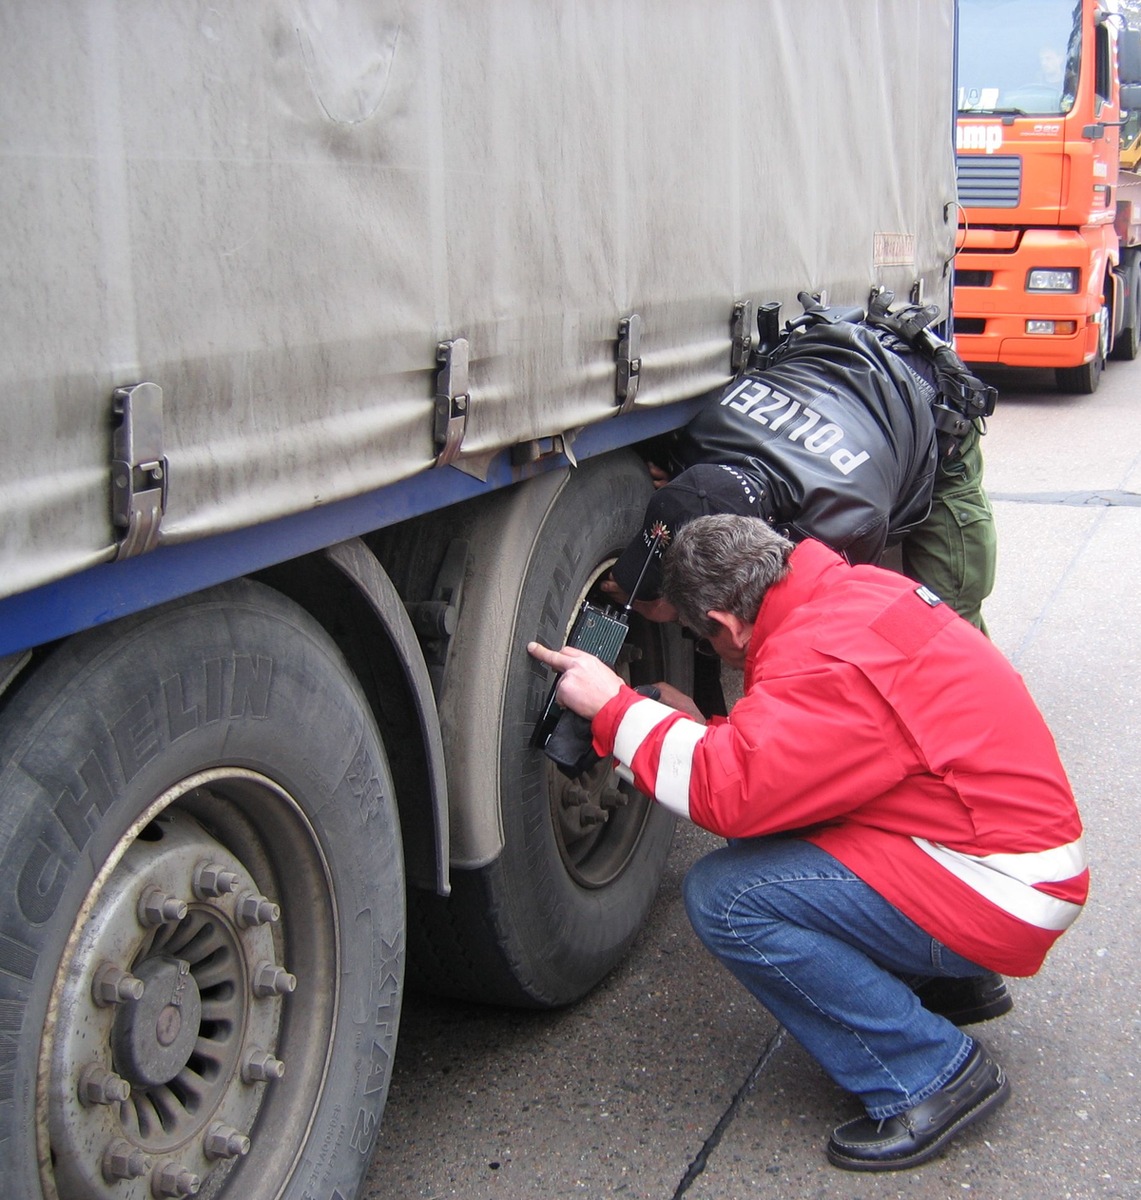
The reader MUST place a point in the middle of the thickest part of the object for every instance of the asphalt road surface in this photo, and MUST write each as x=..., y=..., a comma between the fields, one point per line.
x=668, y=1081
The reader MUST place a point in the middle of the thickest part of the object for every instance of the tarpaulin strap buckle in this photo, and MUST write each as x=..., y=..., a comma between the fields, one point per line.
x=452, y=399
x=140, y=472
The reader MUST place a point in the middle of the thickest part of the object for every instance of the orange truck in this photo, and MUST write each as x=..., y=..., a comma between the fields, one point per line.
x=1048, y=269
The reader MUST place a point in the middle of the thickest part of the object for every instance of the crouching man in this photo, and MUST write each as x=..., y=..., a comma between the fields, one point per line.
x=895, y=805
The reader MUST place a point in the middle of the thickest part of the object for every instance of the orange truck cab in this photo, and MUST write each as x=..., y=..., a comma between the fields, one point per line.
x=1047, y=272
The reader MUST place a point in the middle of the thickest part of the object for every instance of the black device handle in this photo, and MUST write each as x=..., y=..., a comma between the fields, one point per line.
x=564, y=736
x=571, y=744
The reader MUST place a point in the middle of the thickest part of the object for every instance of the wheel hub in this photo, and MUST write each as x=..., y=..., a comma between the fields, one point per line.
x=153, y=1037
x=597, y=819
x=167, y=1022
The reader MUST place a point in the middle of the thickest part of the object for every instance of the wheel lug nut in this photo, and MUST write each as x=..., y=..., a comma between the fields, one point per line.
x=97, y=1085
x=260, y=1066
x=272, y=980
x=121, y=1160
x=224, y=1141
x=173, y=1179
x=574, y=794
x=252, y=909
x=613, y=797
x=156, y=907
x=211, y=879
x=113, y=985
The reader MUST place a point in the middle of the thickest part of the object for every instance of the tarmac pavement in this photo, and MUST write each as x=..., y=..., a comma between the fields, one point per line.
x=669, y=1081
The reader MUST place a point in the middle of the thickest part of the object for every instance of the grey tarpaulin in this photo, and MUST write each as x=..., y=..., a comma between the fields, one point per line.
x=275, y=211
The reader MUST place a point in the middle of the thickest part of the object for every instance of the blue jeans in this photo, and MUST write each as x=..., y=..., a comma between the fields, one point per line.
x=827, y=956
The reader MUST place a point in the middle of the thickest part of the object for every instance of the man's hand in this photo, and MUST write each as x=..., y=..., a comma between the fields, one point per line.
x=658, y=610
x=653, y=610
x=587, y=683
x=659, y=475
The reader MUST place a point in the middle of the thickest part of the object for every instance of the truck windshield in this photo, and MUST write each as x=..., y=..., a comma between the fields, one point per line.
x=1019, y=56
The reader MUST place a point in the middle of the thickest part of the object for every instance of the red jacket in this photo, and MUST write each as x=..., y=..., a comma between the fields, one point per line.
x=890, y=732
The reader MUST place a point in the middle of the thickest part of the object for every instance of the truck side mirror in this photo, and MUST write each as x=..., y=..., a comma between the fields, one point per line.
x=1130, y=97
x=1129, y=58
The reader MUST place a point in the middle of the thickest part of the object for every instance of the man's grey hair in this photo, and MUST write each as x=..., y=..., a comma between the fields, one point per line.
x=722, y=563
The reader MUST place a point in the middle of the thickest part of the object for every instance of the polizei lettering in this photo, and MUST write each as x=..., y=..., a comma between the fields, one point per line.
x=758, y=402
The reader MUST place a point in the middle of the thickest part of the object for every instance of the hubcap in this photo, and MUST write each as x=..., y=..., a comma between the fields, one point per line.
x=165, y=1025
x=597, y=819
x=152, y=1038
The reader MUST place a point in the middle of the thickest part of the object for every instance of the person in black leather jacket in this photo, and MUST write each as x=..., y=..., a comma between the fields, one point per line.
x=841, y=435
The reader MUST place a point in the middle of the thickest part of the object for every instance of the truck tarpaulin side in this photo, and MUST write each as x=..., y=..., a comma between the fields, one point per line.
x=276, y=212
x=334, y=333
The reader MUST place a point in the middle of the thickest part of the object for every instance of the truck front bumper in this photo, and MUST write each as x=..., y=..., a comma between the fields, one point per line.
x=999, y=320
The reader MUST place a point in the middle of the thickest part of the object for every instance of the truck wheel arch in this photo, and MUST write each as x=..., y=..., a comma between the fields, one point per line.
x=347, y=590
x=542, y=907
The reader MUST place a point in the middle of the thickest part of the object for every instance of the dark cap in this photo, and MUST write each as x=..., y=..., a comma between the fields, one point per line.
x=699, y=492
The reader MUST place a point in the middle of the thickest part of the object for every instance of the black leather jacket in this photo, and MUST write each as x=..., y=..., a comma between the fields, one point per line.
x=837, y=430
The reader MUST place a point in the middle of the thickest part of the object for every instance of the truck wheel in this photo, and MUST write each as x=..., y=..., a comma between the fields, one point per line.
x=1083, y=380
x=1128, y=342
x=582, y=859
x=201, y=906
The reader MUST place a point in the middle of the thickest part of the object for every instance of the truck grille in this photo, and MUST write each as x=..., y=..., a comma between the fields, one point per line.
x=989, y=180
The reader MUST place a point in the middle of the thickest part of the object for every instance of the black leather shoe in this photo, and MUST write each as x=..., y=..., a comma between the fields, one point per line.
x=921, y=1132
x=966, y=1001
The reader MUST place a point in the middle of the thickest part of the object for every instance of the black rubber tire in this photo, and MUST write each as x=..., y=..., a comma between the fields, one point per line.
x=534, y=928
x=223, y=726
x=1080, y=381
x=1083, y=380
x=1128, y=341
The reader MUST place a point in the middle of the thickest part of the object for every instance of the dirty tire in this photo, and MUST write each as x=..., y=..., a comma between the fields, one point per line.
x=1128, y=342
x=157, y=774
x=1080, y=381
x=554, y=912
x=1084, y=380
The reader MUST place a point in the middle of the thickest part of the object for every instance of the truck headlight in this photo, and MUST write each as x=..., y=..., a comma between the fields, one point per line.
x=1050, y=279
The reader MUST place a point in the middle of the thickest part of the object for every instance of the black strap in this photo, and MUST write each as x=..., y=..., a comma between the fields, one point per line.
x=964, y=399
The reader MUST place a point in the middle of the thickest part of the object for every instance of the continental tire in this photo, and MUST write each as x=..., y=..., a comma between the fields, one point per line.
x=581, y=863
x=201, y=897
